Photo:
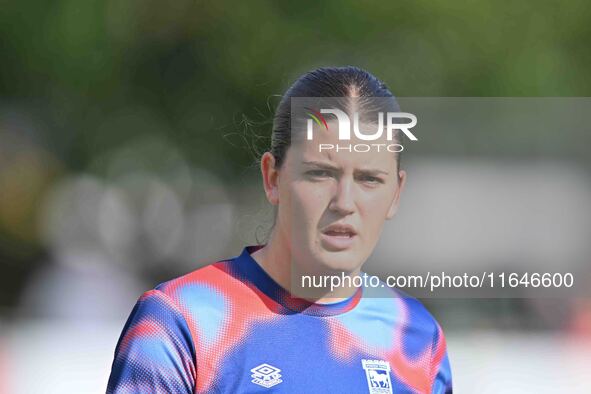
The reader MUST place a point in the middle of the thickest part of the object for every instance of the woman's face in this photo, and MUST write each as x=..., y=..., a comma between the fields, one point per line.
x=332, y=205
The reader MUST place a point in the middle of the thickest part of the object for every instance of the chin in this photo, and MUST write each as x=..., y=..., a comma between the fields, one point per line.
x=315, y=259
x=345, y=260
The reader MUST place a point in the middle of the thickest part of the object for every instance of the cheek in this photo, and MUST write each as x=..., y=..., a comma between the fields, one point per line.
x=308, y=201
x=375, y=207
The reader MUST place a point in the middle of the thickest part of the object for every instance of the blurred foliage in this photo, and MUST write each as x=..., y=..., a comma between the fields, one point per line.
x=192, y=69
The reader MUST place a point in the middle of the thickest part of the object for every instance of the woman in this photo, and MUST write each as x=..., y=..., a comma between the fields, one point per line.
x=234, y=327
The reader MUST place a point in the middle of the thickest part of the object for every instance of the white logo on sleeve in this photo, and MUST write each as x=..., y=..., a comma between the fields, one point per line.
x=377, y=373
x=266, y=375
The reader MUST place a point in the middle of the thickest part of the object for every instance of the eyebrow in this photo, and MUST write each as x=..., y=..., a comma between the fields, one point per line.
x=373, y=171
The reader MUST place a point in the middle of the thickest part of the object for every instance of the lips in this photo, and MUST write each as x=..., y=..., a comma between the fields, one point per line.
x=340, y=230
x=338, y=237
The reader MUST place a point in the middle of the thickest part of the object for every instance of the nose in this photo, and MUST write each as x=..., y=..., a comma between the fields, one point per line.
x=343, y=201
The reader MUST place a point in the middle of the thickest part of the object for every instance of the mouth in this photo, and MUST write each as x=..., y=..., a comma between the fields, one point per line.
x=338, y=236
x=343, y=233
x=340, y=230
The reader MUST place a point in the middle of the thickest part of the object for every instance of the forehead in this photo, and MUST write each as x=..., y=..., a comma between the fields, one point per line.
x=354, y=153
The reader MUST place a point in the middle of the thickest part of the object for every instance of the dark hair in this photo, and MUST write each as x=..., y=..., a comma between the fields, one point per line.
x=355, y=86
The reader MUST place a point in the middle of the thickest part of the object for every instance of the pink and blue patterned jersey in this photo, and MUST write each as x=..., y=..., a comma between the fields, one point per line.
x=230, y=328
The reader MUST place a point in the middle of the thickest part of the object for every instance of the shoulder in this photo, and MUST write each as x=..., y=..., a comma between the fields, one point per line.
x=183, y=305
x=175, y=303
x=205, y=285
x=218, y=286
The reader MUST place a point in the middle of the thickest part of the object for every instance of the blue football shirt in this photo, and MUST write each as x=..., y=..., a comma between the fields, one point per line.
x=230, y=328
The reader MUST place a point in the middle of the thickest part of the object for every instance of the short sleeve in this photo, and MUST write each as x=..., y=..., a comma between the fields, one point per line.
x=442, y=381
x=155, y=352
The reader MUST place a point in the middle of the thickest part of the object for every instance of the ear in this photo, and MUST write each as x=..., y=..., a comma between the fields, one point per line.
x=396, y=199
x=270, y=178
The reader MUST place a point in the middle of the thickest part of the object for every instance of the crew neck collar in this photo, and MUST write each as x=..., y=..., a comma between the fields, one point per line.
x=252, y=271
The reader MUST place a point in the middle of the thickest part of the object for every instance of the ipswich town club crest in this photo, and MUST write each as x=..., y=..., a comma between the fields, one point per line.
x=377, y=373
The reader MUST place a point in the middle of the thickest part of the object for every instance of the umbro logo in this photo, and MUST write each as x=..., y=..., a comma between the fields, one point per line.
x=266, y=375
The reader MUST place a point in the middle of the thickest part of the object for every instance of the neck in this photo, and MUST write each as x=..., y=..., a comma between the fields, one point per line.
x=277, y=260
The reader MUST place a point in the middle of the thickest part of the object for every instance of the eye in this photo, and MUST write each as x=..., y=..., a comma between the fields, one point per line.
x=370, y=179
x=319, y=173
